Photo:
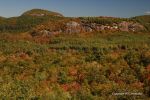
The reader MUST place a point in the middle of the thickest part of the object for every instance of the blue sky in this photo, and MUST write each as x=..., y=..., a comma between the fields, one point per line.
x=117, y=8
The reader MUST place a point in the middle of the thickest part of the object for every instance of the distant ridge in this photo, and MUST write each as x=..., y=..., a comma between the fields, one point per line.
x=41, y=20
x=41, y=12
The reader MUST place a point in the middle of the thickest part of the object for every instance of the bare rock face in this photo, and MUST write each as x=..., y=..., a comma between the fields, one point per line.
x=137, y=27
x=102, y=27
x=86, y=28
x=73, y=27
x=130, y=26
x=76, y=27
x=124, y=26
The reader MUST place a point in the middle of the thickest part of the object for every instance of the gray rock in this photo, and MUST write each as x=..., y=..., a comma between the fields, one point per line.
x=137, y=27
x=124, y=26
x=72, y=24
x=130, y=26
x=73, y=27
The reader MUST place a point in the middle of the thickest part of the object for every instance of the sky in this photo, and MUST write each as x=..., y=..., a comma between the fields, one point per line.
x=76, y=8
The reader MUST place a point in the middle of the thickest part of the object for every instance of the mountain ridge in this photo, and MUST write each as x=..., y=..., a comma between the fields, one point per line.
x=41, y=12
x=56, y=22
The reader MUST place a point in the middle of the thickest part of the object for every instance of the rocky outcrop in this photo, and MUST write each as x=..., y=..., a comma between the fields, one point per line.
x=73, y=27
x=124, y=26
x=76, y=27
x=137, y=27
x=130, y=26
x=80, y=27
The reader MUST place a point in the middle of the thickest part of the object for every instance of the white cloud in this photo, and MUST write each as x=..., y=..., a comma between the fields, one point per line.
x=148, y=12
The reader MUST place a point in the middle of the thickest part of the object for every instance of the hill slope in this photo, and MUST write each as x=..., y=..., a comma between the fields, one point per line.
x=36, y=18
x=41, y=12
x=27, y=20
x=145, y=20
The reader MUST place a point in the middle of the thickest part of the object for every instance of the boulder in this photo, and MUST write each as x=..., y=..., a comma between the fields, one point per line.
x=137, y=27
x=102, y=27
x=124, y=26
x=72, y=24
x=87, y=29
x=73, y=27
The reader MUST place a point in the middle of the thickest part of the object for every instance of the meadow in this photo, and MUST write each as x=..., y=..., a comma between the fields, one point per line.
x=86, y=66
